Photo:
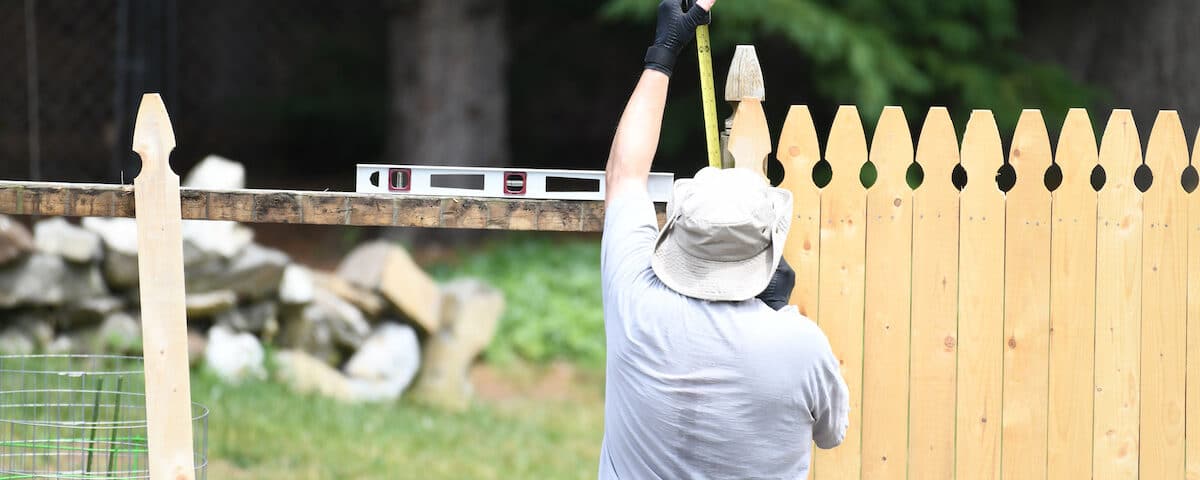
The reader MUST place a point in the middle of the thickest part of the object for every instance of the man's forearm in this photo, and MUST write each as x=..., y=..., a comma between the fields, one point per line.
x=637, y=135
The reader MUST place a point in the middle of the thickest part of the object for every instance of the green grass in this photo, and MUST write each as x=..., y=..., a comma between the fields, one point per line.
x=552, y=290
x=263, y=431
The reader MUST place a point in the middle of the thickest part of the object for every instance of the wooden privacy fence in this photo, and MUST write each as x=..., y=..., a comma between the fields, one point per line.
x=987, y=334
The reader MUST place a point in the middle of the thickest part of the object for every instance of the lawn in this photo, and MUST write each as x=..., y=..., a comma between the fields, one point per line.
x=525, y=427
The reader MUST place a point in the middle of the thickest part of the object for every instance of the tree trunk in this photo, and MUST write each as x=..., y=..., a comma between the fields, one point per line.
x=449, y=85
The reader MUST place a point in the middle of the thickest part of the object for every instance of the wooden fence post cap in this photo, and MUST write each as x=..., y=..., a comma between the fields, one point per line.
x=153, y=137
x=745, y=76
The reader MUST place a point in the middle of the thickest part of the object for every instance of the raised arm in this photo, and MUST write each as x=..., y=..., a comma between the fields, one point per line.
x=636, y=140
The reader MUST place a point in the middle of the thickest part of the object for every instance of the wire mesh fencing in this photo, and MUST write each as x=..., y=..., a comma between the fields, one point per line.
x=79, y=417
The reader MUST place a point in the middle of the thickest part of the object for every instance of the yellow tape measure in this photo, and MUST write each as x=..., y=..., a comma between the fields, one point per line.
x=708, y=94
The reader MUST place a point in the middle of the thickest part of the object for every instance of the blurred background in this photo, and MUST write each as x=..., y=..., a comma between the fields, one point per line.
x=299, y=91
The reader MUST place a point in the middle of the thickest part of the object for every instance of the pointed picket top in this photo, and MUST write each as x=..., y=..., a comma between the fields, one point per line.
x=982, y=153
x=1077, y=154
x=153, y=137
x=937, y=150
x=891, y=150
x=745, y=77
x=847, y=149
x=750, y=139
x=799, y=150
x=1030, y=154
x=1120, y=151
x=1167, y=152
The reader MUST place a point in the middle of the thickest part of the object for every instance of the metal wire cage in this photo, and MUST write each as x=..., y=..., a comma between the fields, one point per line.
x=79, y=417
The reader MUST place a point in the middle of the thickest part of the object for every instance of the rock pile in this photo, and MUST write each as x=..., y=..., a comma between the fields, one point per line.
x=366, y=332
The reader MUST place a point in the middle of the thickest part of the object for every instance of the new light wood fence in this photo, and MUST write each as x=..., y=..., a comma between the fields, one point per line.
x=1027, y=334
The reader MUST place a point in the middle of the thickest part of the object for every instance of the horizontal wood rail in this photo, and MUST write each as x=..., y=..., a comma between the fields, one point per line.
x=311, y=207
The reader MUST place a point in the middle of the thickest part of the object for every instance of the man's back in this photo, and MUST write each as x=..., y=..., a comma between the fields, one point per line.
x=699, y=389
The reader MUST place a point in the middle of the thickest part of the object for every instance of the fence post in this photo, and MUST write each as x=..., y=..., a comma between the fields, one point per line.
x=745, y=79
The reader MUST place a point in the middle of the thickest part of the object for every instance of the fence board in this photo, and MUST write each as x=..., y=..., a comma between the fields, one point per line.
x=1072, y=302
x=1164, y=302
x=799, y=152
x=1026, y=303
x=888, y=294
x=843, y=243
x=1192, y=433
x=934, y=303
x=1118, y=303
x=981, y=303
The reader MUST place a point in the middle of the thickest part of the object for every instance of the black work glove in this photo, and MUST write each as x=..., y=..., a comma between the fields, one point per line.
x=778, y=292
x=676, y=29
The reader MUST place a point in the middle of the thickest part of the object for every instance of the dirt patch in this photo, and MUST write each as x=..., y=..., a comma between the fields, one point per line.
x=559, y=381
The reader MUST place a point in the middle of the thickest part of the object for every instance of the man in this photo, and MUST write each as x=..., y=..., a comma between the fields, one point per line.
x=704, y=380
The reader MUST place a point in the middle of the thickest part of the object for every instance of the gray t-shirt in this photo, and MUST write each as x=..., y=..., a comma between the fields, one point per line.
x=698, y=389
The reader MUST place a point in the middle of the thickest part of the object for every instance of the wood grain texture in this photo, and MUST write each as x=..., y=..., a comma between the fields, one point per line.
x=932, y=376
x=981, y=303
x=313, y=208
x=887, y=307
x=1072, y=302
x=799, y=152
x=164, y=316
x=1164, y=303
x=749, y=138
x=1027, y=303
x=1192, y=432
x=843, y=244
x=1118, y=303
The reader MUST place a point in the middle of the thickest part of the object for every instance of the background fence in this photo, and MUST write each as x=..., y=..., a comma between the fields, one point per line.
x=1036, y=327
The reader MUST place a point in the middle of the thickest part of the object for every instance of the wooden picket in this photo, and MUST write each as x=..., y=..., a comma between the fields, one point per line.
x=934, y=336
x=888, y=293
x=843, y=243
x=1192, y=433
x=981, y=303
x=1026, y=303
x=1164, y=303
x=1072, y=302
x=799, y=152
x=1118, y=303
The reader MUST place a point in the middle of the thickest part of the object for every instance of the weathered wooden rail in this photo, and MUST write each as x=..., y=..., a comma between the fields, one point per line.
x=310, y=207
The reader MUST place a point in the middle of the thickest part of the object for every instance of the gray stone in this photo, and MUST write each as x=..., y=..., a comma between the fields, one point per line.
x=370, y=303
x=296, y=287
x=471, y=312
x=120, y=333
x=307, y=329
x=33, y=280
x=58, y=237
x=209, y=304
x=253, y=274
x=16, y=341
x=305, y=373
x=234, y=357
x=88, y=311
x=348, y=325
x=119, y=236
x=215, y=237
x=388, y=360
x=258, y=318
x=15, y=241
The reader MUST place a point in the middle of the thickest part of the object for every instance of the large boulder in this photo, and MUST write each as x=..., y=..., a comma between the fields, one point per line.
x=46, y=280
x=388, y=268
x=120, y=249
x=119, y=333
x=348, y=325
x=389, y=359
x=56, y=236
x=15, y=240
x=471, y=312
x=234, y=357
x=209, y=304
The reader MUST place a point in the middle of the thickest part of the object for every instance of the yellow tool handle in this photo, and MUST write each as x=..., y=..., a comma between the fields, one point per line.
x=708, y=94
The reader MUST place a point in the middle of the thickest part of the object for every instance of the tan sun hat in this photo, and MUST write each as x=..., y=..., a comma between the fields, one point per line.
x=724, y=235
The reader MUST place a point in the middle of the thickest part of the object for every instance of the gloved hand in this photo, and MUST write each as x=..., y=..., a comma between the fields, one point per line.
x=778, y=292
x=676, y=29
